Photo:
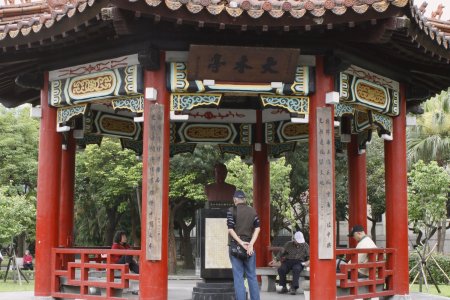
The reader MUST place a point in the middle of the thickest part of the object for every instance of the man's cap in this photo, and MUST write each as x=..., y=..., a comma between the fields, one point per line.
x=356, y=228
x=239, y=194
x=298, y=237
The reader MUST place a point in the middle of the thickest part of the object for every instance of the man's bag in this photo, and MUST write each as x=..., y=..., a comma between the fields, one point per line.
x=238, y=251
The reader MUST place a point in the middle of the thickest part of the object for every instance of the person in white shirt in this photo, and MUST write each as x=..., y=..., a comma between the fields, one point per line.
x=364, y=242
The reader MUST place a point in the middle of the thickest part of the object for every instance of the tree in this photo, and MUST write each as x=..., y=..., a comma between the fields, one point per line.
x=427, y=190
x=241, y=175
x=341, y=185
x=18, y=158
x=18, y=149
x=376, y=194
x=430, y=140
x=189, y=173
x=18, y=215
x=106, y=181
x=299, y=185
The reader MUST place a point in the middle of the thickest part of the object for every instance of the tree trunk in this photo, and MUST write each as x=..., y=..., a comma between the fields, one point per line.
x=113, y=218
x=186, y=246
x=172, y=245
x=21, y=245
x=441, y=236
x=373, y=230
x=338, y=233
x=133, y=234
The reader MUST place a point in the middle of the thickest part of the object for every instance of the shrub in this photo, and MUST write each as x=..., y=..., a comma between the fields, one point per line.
x=442, y=260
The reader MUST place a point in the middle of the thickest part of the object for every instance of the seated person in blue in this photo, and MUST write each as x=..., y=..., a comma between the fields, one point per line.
x=293, y=256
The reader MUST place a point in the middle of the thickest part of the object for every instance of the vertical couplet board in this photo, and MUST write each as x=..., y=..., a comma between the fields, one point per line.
x=325, y=180
x=154, y=184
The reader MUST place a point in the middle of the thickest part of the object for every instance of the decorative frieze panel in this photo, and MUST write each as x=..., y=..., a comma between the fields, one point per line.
x=216, y=115
x=181, y=148
x=100, y=85
x=240, y=150
x=134, y=145
x=284, y=131
x=181, y=102
x=299, y=105
x=240, y=134
x=275, y=150
x=302, y=83
x=89, y=139
x=116, y=126
x=94, y=67
x=384, y=123
x=365, y=88
x=342, y=109
x=134, y=104
x=361, y=121
x=65, y=114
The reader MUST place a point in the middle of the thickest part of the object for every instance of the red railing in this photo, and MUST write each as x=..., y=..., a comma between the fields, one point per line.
x=70, y=276
x=379, y=281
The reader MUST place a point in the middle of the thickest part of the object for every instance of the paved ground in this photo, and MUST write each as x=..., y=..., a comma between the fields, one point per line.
x=182, y=290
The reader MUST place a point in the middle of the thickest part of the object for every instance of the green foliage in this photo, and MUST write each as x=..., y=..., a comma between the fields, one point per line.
x=430, y=139
x=18, y=149
x=376, y=195
x=299, y=193
x=189, y=173
x=106, y=180
x=442, y=260
x=280, y=188
x=18, y=215
x=428, y=188
x=341, y=184
x=241, y=175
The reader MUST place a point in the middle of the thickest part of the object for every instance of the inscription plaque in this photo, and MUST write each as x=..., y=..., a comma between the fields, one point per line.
x=325, y=182
x=154, y=182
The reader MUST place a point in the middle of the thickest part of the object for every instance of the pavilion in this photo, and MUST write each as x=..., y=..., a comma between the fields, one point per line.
x=252, y=76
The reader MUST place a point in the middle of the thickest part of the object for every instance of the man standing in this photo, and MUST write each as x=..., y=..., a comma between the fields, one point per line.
x=294, y=254
x=243, y=229
x=364, y=242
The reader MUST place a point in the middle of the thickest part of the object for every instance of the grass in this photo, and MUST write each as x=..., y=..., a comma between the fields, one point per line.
x=10, y=286
x=445, y=289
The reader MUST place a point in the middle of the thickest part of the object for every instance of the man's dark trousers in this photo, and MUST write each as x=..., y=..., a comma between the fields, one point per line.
x=288, y=265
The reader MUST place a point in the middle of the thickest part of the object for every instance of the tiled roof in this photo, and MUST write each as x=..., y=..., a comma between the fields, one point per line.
x=24, y=18
x=436, y=29
x=278, y=8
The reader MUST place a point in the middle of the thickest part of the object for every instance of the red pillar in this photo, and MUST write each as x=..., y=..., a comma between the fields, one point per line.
x=154, y=274
x=397, y=200
x=357, y=187
x=66, y=204
x=261, y=194
x=323, y=272
x=49, y=170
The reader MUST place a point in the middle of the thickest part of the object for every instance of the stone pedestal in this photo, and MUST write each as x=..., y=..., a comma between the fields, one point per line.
x=213, y=291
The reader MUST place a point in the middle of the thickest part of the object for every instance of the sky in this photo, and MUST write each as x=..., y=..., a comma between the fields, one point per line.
x=432, y=5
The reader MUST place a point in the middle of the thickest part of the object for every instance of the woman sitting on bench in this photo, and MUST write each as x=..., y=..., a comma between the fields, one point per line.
x=120, y=242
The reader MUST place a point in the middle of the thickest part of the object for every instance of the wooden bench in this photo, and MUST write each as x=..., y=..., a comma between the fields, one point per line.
x=269, y=276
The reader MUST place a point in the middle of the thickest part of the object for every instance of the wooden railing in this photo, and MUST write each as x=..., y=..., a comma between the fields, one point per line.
x=379, y=266
x=68, y=272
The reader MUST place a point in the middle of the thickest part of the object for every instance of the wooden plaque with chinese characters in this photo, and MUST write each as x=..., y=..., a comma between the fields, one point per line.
x=154, y=182
x=242, y=64
x=325, y=157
